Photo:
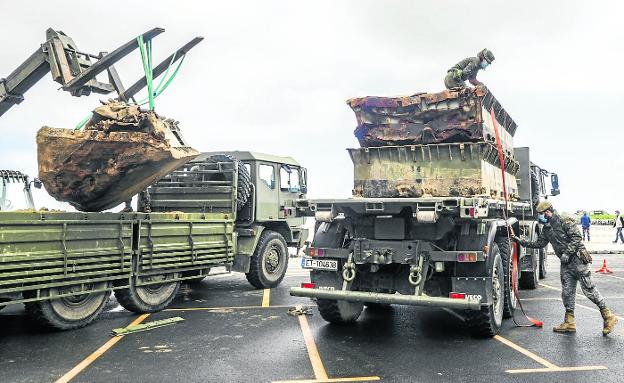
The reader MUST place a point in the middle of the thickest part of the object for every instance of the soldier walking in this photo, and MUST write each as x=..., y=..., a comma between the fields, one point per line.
x=467, y=69
x=567, y=242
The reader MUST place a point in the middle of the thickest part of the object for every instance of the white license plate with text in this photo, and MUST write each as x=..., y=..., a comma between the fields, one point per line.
x=319, y=264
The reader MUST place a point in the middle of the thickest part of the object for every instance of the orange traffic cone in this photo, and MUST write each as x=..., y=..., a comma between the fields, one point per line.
x=604, y=269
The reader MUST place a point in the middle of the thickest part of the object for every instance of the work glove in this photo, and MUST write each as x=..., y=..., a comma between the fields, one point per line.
x=565, y=258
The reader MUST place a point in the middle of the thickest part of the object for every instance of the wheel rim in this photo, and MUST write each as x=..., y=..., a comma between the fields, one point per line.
x=497, y=297
x=272, y=260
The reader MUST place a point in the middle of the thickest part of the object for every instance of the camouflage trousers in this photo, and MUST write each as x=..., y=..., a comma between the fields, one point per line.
x=451, y=81
x=573, y=272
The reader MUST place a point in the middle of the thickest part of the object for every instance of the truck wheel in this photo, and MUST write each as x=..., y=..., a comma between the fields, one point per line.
x=339, y=312
x=149, y=298
x=510, y=295
x=529, y=279
x=269, y=261
x=542, y=263
x=487, y=322
x=68, y=313
x=243, y=187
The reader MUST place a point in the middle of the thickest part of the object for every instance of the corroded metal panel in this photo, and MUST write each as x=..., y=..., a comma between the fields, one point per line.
x=428, y=118
x=437, y=170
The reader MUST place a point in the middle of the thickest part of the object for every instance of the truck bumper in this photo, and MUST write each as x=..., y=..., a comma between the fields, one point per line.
x=411, y=300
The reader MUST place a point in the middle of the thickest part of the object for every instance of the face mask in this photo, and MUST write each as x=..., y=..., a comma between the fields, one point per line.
x=542, y=218
x=483, y=64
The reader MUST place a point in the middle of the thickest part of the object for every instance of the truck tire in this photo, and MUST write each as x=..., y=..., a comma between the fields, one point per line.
x=68, y=313
x=332, y=235
x=529, y=279
x=339, y=312
x=269, y=261
x=487, y=322
x=542, y=263
x=243, y=186
x=510, y=295
x=148, y=298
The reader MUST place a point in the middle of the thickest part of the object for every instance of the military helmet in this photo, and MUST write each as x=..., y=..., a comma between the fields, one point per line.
x=543, y=206
x=486, y=55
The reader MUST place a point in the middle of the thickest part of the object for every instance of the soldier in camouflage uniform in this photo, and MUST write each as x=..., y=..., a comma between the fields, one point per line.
x=567, y=243
x=467, y=70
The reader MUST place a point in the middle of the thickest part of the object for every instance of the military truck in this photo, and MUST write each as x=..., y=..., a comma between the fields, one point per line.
x=428, y=223
x=227, y=209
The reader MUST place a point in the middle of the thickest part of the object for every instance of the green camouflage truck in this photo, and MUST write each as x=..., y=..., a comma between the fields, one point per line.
x=222, y=209
x=427, y=225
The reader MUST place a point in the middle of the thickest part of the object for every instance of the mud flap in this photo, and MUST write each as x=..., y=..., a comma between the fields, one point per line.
x=475, y=288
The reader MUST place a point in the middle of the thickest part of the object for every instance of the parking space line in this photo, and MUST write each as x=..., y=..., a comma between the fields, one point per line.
x=524, y=351
x=320, y=374
x=96, y=354
x=266, y=297
x=315, y=358
x=548, y=366
x=332, y=380
x=557, y=369
x=578, y=304
x=233, y=308
x=612, y=276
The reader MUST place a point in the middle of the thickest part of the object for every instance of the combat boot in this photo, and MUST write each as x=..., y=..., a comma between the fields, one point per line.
x=568, y=325
x=610, y=320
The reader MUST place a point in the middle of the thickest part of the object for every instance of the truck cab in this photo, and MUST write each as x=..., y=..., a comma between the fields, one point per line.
x=259, y=191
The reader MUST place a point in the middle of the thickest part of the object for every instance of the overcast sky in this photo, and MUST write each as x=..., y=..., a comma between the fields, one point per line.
x=273, y=76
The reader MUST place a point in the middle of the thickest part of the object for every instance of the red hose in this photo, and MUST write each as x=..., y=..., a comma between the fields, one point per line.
x=514, y=248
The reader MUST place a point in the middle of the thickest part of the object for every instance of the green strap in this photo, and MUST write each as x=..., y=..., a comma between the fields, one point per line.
x=152, y=93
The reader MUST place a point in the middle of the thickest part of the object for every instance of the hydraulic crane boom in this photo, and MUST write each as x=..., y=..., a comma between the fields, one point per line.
x=75, y=70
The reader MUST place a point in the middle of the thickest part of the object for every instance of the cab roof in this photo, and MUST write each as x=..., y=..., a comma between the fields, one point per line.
x=251, y=156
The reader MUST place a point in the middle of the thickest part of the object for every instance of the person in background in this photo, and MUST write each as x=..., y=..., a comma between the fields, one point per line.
x=619, y=223
x=585, y=224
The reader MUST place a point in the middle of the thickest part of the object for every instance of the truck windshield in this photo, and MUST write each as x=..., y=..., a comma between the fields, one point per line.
x=289, y=179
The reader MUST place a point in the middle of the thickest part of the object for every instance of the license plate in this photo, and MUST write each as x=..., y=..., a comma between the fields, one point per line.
x=319, y=264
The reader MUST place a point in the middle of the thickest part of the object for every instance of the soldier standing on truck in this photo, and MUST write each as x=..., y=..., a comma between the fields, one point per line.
x=467, y=69
x=567, y=242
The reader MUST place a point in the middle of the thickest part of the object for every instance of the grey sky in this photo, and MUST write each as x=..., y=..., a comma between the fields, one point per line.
x=273, y=76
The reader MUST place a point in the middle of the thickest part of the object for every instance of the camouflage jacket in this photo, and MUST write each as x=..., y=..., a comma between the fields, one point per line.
x=469, y=68
x=561, y=233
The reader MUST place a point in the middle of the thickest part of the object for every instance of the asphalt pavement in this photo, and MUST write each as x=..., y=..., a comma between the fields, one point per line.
x=234, y=333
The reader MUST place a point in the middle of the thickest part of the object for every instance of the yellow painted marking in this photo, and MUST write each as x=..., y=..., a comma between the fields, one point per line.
x=549, y=367
x=96, y=354
x=524, y=351
x=331, y=380
x=558, y=369
x=233, y=308
x=313, y=354
x=266, y=297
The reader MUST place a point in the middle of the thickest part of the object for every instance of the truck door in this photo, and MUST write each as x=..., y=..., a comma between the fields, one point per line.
x=289, y=190
x=267, y=203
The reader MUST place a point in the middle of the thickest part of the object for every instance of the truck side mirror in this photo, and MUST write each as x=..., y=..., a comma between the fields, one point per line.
x=37, y=183
x=304, y=181
x=554, y=181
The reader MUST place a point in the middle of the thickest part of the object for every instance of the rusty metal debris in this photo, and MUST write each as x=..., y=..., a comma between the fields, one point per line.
x=120, y=152
x=299, y=310
x=428, y=118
